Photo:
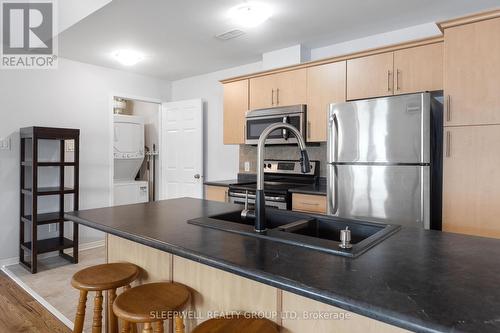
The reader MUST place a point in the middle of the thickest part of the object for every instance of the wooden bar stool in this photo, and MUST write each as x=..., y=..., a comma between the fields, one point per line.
x=239, y=324
x=151, y=304
x=99, y=278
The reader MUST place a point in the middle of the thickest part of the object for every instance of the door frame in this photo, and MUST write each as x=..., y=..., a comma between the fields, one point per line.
x=111, y=134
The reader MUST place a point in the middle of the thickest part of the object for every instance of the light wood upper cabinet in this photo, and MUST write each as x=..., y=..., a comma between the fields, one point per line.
x=281, y=89
x=235, y=106
x=370, y=76
x=471, y=181
x=262, y=92
x=472, y=73
x=418, y=69
x=326, y=84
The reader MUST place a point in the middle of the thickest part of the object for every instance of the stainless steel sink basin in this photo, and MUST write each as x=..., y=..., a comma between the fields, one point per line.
x=318, y=232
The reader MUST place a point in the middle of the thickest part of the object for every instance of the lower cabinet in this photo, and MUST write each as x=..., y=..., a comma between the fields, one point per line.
x=471, y=180
x=300, y=314
x=216, y=292
x=309, y=203
x=216, y=193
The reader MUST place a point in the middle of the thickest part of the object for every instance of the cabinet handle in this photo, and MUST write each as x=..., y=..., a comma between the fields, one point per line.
x=389, y=80
x=272, y=97
x=309, y=203
x=448, y=143
x=278, y=96
x=308, y=129
x=398, y=72
x=448, y=108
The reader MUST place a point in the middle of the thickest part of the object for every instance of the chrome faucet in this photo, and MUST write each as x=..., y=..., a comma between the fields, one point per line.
x=260, y=200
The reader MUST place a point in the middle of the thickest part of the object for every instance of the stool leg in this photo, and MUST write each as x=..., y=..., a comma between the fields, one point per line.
x=147, y=328
x=125, y=327
x=112, y=320
x=97, y=322
x=80, y=312
x=179, y=324
x=159, y=327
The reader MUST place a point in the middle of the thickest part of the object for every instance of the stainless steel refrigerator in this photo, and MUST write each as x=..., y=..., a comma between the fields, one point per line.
x=384, y=160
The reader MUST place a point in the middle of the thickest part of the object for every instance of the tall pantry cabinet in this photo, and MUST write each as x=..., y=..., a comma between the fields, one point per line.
x=471, y=176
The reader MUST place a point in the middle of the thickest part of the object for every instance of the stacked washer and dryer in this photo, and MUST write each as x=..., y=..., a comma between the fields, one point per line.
x=128, y=158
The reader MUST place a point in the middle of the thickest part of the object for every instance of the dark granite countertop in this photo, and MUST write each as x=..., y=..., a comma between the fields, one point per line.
x=314, y=189
x=223, y=183
x=424, y=281
x=243, y=178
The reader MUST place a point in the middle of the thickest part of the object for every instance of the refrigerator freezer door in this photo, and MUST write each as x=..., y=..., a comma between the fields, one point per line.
x=392, y=130
x=380, y=193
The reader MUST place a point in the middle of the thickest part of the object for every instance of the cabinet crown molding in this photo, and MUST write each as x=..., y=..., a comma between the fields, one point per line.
x=469, y=19
x=389, y=48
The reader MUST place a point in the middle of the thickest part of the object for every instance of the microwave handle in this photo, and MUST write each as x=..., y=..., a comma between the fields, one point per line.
x=284, y=132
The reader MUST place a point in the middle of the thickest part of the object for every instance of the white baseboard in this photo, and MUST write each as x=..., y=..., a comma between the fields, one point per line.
x=82, y=247
x=9, y=261
x=38, y=298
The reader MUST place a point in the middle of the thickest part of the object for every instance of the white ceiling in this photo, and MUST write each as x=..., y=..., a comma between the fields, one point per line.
x=177, y=36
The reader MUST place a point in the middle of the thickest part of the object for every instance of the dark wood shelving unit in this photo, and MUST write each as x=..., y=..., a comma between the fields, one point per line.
x=30, y=164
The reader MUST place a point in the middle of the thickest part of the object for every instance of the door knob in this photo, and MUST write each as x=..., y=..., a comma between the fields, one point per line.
x=197, y=176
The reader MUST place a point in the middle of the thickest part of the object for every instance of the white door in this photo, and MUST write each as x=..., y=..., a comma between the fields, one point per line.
x=181, y=152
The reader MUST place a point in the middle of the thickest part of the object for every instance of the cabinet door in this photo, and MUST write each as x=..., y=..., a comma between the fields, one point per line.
x=309, y=203
x=370, y=76
x=418, y=69
x=471, y=181
x=216, y=193
x=217, y=292
x=235, y=106
x=291, y=87
x=298, y=313
x=325, y=85
x=263, y=92
x=281, y=89
x=472, y=73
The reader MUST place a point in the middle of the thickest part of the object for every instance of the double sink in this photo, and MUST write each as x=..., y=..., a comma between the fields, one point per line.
x=318, y=232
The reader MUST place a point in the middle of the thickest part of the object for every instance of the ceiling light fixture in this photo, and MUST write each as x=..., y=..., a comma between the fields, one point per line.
x=250, y=14
x=128, y=57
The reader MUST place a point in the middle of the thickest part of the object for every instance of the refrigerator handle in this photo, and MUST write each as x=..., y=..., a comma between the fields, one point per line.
x=333, y=137
x=332, y=185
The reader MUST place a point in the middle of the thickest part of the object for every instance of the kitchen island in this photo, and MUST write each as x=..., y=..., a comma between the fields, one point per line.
x=417, y=280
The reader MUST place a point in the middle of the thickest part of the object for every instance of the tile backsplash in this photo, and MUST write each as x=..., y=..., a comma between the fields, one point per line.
x=248, y=153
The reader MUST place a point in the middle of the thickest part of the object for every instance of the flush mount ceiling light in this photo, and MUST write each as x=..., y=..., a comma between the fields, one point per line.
x=127, y=57
x=250, y=14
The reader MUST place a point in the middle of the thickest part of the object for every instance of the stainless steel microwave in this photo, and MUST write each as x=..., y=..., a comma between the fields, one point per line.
x=258, y=120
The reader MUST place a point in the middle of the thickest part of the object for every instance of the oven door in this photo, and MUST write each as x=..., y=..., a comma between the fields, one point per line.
x=256, y=125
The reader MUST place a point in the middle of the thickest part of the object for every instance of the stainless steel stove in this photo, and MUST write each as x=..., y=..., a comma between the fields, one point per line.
x=280, y=177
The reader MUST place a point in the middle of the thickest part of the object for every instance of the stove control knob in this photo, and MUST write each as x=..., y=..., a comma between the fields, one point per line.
x=269, y=165
x=265, y=165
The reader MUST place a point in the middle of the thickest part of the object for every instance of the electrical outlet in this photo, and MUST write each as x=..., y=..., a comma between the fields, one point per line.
x=69, y=145
x=5, y=144
x=247, y=166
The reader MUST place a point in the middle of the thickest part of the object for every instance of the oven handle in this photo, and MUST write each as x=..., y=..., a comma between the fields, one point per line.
x=252, y=196
x=284, y=132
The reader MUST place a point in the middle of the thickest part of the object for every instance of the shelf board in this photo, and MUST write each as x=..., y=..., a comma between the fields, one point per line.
x=48, y=164
x=45, y=218
x=48, y=190
x=50, y=245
